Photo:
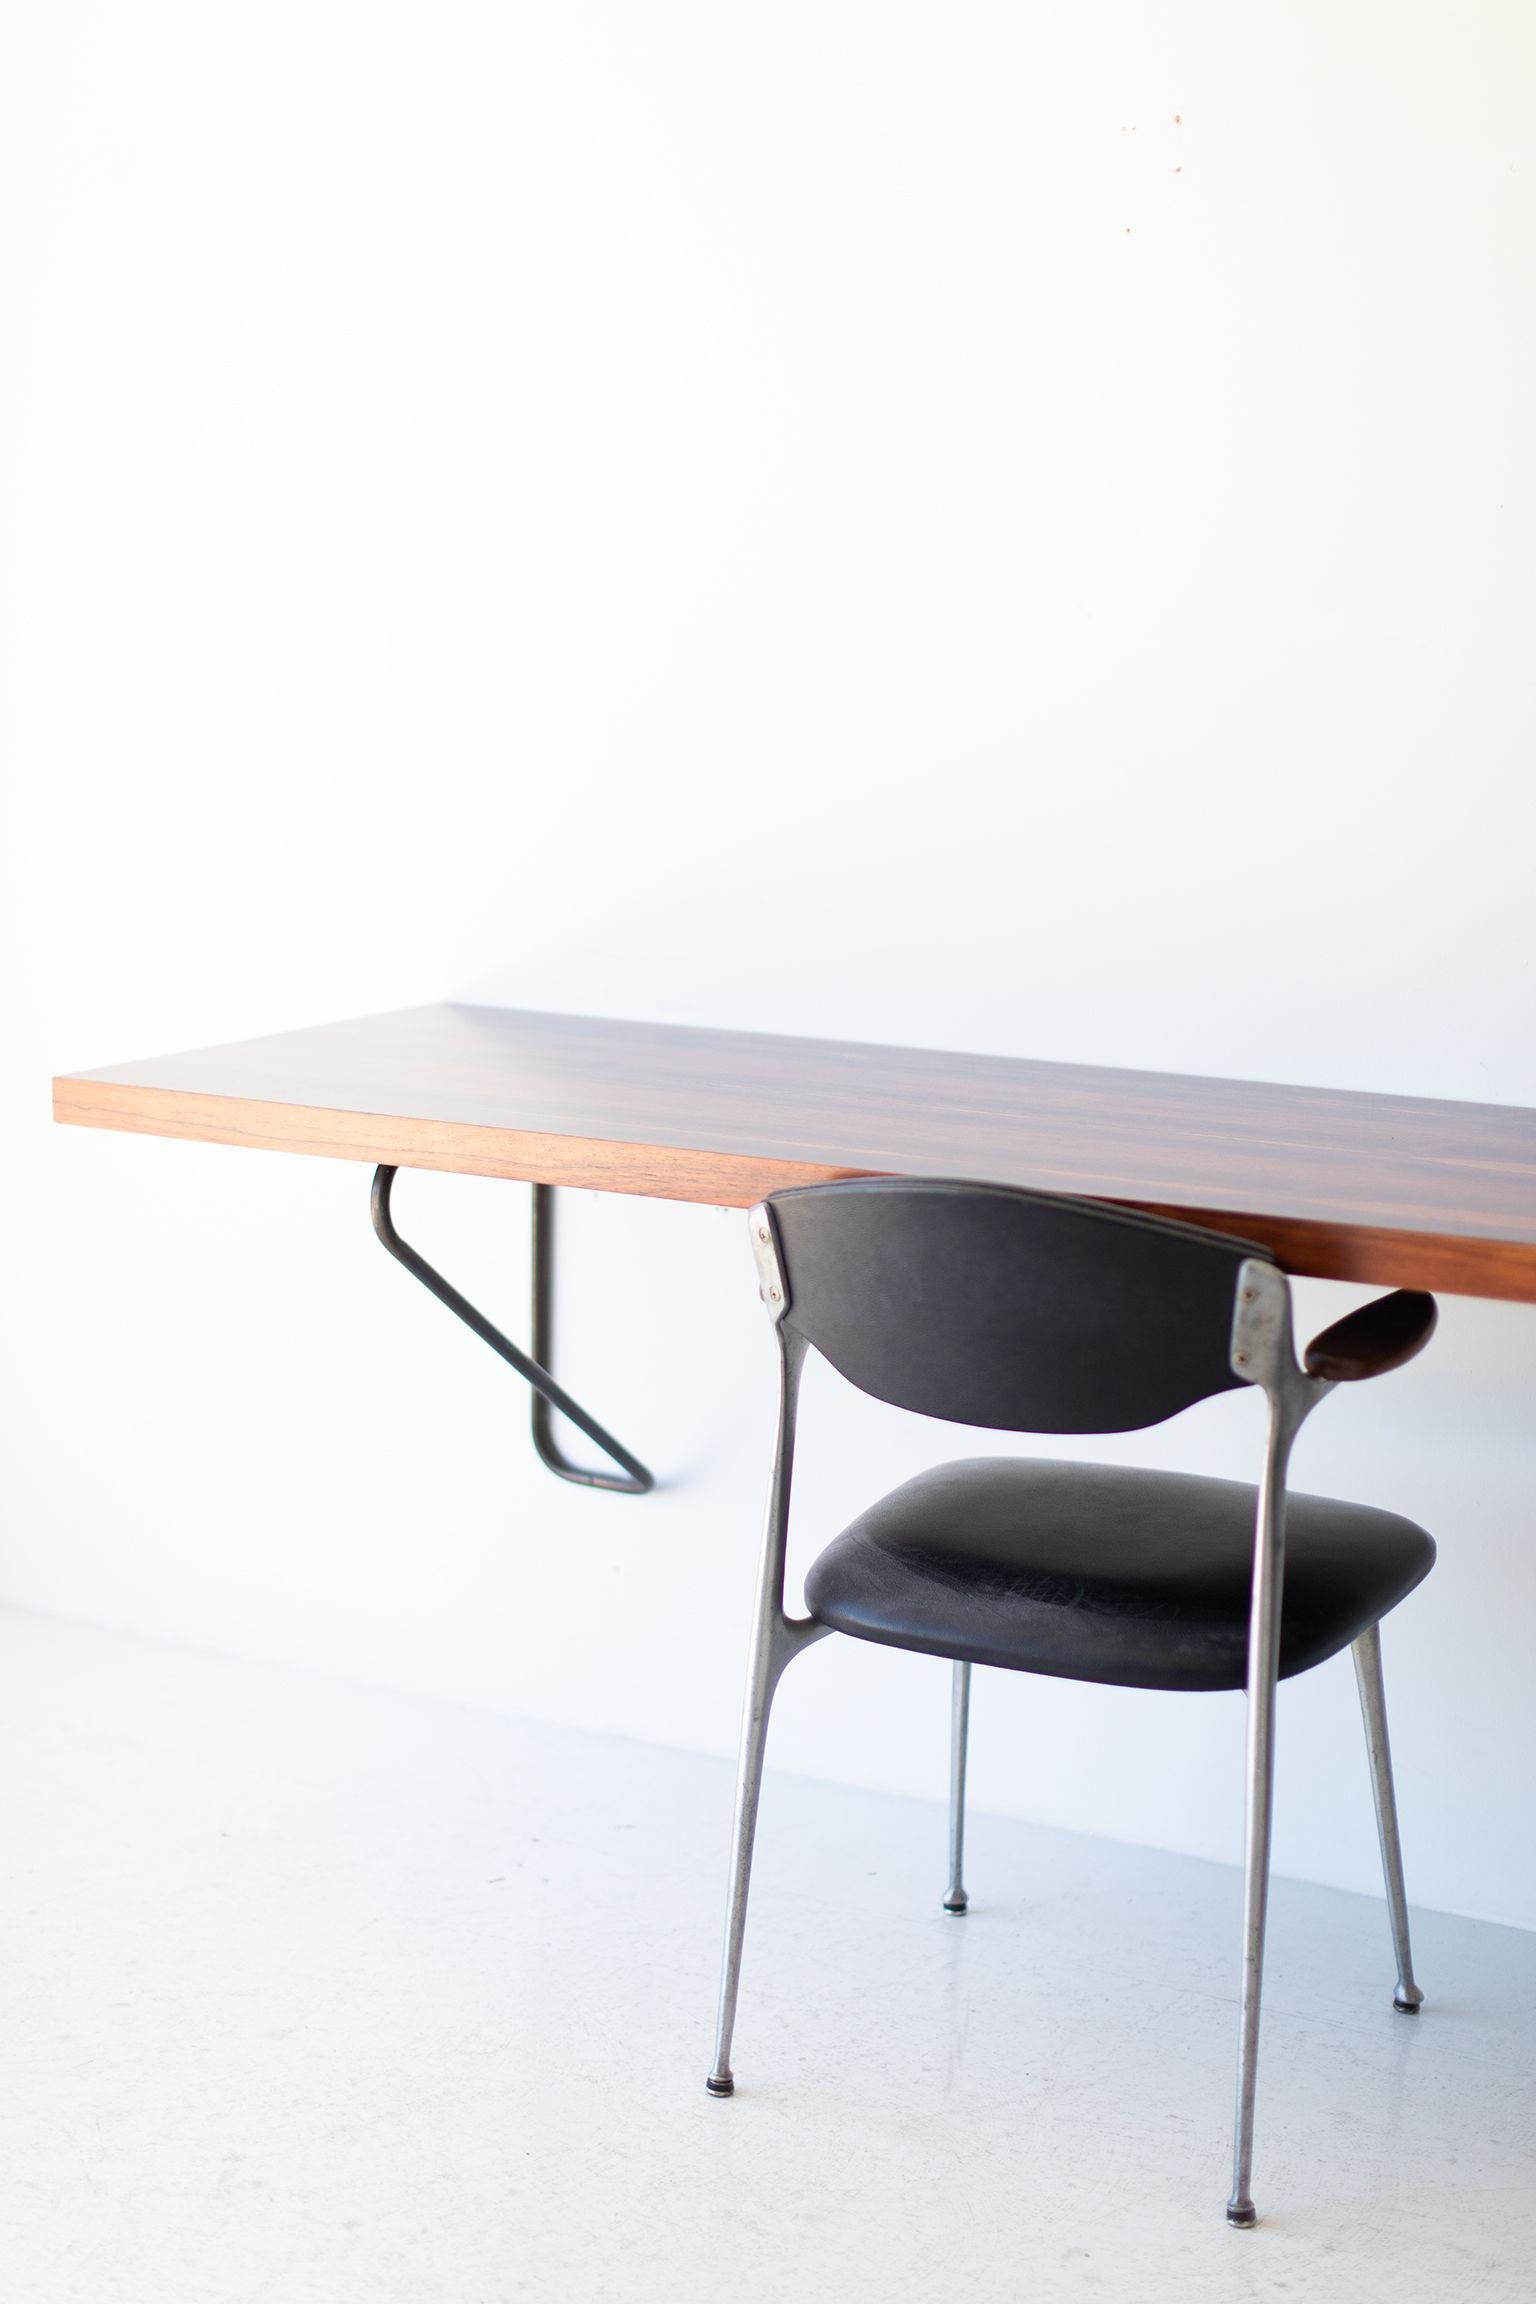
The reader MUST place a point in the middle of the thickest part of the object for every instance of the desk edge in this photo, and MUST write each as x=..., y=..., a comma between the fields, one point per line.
x=1372, y=1255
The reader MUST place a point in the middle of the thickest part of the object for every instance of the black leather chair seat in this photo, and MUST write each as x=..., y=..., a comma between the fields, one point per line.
x=1104, y=1572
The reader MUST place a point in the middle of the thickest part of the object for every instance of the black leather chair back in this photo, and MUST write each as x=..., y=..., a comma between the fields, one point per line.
x=1019, y=1311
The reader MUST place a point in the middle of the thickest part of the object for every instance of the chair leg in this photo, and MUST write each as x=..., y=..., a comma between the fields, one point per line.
x=1263, y=1676
x=779, y=1638
x=775, y=1639
x=1261, y=1785
x=749, y=1783
x=956, y=1899
x=1373, y=1705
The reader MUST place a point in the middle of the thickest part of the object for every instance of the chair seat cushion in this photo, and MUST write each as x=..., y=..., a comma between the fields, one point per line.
x=1102, y=1572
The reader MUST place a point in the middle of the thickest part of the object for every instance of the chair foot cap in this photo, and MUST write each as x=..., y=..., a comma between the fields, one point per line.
x=720, y=2084
x=1242, y=2213
x=960, y=1903
x=1408, y=2000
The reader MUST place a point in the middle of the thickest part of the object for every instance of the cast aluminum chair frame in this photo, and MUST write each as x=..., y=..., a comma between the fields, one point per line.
x=1380, y=1336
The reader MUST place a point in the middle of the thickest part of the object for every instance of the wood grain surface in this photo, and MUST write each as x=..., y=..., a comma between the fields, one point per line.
x=1401, y=1191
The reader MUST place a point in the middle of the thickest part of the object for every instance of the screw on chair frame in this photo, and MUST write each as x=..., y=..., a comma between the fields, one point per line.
x=1262, y=1353
x=632, y=1477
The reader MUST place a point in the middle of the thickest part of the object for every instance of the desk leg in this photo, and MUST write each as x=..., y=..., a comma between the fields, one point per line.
x=632, y=1478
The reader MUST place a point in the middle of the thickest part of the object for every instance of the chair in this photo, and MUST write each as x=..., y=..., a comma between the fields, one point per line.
x=1026, y=1312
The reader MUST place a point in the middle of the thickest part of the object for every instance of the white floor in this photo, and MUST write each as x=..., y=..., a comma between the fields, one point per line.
x=318, y=1995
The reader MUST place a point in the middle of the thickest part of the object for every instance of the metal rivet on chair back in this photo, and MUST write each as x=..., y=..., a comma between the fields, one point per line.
x=1018, y=1311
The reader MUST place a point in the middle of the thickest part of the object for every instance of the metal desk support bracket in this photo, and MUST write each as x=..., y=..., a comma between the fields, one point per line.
x=633, y=1479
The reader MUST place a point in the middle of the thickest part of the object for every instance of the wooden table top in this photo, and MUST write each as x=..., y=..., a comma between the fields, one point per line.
x=1399, y=1191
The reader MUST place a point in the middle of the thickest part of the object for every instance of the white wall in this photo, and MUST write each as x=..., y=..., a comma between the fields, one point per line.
x=998, y=526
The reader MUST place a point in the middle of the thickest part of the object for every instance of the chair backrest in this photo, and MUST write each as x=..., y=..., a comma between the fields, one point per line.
x=1019, y=1311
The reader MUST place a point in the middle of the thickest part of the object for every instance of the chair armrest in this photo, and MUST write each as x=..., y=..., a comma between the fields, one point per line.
x=1379, y=1337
